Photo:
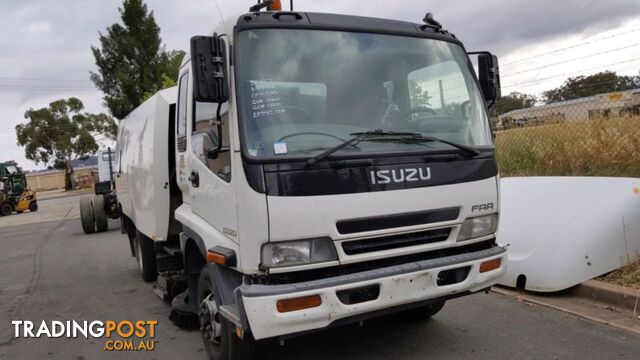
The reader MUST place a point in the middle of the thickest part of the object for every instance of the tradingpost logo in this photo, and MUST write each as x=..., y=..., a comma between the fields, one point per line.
x=121, y=335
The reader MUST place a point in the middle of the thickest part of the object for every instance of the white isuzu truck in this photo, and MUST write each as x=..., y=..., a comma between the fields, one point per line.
x=312, y=170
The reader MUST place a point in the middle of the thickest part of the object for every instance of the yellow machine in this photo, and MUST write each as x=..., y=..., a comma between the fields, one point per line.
x=17, y=196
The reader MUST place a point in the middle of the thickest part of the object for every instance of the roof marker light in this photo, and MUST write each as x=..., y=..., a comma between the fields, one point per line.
x=276, y=5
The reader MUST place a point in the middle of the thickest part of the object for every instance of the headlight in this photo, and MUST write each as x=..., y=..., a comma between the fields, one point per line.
x=299, y=252
x=478, y=226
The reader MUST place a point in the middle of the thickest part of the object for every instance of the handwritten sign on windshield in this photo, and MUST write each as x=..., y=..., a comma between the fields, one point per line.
x=265, y=99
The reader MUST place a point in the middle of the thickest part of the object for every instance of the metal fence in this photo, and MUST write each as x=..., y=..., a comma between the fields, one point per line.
x=593, y=136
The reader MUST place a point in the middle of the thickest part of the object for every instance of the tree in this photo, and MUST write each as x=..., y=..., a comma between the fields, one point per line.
x=513, y=101
x=419, y=97
x=62, y=133
x=131, y=59
x=167, y=82
x=583, y=86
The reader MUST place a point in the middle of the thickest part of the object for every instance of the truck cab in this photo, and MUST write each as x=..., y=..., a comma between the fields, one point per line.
x=332, y=168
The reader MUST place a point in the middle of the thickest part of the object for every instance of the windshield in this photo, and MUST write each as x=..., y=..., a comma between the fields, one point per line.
x=11, y=169
x=304, y=91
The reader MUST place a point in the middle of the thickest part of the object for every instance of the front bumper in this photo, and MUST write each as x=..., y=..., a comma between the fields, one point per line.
x=399, y=285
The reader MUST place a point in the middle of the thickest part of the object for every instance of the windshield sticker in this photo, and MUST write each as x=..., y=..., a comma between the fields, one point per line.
x=265, y=100
x=280, y=148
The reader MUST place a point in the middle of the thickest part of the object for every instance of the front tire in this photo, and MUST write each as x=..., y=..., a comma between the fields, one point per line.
x=146, y=257
x=33, y=207
x=218, y=334
x=6, y=209
x=427, y=311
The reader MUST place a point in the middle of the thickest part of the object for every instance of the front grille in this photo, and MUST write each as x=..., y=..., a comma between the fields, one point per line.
x=395, y=241
x=397, y=220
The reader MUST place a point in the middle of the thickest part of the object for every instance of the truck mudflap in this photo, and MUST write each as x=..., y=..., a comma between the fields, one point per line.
x=355, y=294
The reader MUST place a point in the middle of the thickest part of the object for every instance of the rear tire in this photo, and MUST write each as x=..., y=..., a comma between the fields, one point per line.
x=33, y=207
x=225, y=345
x=86, y=215
x=146, y=258
x=6, y=209
x=102, y=222
x=132, y=241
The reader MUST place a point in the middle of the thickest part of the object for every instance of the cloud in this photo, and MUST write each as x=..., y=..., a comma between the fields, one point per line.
x=499, y=25
x=50, y=39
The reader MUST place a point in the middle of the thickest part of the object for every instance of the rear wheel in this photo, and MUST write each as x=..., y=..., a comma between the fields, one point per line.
x=33, y=207
x=86, y=215
x=218, y=334
x=146, y=258
x=102, y=222
x=132, y=242
x=6, y=209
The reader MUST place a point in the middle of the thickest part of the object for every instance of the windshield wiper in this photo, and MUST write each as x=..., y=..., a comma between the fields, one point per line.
x=387, y=135
x=417, y=138
x=357, y=137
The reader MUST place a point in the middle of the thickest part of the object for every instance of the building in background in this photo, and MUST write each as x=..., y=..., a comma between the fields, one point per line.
x=44, y=180
x=608, y=105
x=84, y=176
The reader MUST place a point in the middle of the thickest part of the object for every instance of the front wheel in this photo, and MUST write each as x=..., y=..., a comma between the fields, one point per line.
x=427, y=311
x=33, y=207
x=6, y=209
x=218, y=334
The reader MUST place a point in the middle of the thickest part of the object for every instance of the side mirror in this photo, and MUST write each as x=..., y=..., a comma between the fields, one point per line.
x=209, y=64
x=488, y=75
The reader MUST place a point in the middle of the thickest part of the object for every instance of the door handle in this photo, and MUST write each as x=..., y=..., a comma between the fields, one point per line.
x=194, y=178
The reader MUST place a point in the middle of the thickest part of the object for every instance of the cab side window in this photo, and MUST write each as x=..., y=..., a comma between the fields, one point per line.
x=205, y=137
x=181, y=129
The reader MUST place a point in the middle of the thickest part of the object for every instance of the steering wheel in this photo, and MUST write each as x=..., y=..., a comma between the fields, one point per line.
x=419, y=110
x=302, y=110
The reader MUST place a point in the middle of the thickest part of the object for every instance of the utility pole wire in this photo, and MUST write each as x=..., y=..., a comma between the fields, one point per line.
x=570, y=73
x=221, y=17
x=571, y=47
x=574, y=59
x=41, y=79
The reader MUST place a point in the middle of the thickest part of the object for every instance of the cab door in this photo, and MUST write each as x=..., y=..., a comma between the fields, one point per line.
x=211, y=191
x=182, y=132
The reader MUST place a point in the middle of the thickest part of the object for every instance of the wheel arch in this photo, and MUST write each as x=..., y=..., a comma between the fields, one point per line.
x=224, y=280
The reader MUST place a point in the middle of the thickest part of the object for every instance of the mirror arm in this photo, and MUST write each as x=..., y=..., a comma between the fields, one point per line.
x=260, y=5
x=219, y=124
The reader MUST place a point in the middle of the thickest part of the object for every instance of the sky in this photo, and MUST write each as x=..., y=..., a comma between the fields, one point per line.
x=45, y=45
